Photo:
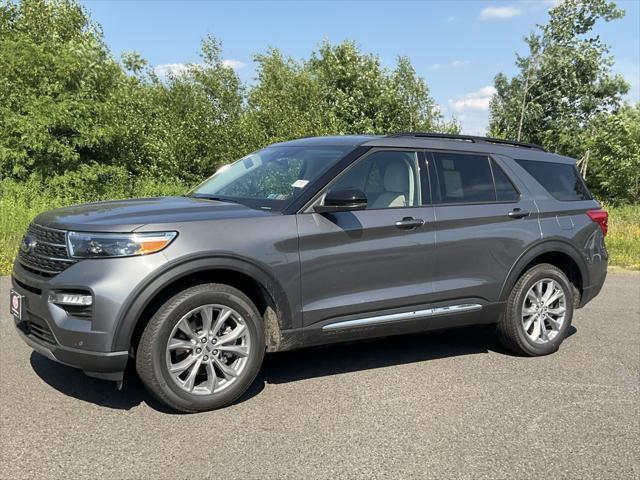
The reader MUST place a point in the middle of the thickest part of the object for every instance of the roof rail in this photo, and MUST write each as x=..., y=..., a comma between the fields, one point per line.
x=466, y=138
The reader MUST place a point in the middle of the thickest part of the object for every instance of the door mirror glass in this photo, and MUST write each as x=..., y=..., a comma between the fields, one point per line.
x=343, y=200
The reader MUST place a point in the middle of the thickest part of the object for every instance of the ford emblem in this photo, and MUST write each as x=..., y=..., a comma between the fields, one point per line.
x=28, y=244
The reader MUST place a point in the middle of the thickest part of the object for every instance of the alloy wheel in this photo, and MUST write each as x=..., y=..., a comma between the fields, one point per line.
x=208, y=349
x=543, y=310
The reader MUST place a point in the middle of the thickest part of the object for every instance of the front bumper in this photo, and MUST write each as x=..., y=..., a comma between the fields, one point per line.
x=105, y=365
x=84, y=339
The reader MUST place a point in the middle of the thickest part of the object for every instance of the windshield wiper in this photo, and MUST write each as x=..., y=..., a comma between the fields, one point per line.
x=217, y=199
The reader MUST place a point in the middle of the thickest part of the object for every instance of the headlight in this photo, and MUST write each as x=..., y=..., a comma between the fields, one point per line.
x=101, y=245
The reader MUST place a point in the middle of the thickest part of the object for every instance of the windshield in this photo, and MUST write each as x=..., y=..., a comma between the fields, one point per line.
x=270, y=178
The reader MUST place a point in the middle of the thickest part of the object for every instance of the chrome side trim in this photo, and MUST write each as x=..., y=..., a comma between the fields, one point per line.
x=392, y=317
x=466, y=307
x=378, y=319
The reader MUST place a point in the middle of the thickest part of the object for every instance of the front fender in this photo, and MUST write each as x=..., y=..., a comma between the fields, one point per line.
x=144, y=294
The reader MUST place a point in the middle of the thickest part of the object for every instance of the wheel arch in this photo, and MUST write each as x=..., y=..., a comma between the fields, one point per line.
x=556, y=252
x=253, y=280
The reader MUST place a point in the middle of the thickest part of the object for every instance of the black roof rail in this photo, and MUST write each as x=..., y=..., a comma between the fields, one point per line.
x=466, y=138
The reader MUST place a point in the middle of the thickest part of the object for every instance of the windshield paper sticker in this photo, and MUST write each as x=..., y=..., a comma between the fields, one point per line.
x=300, y=183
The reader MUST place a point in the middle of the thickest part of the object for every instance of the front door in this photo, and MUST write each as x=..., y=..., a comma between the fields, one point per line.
x=374, y=262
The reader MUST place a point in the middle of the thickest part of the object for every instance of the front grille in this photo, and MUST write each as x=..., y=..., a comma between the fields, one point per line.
x=49, y=256
x=28, y=288
x=36, y=327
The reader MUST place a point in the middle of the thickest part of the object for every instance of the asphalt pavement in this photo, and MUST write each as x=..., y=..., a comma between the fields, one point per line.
x=443, y=405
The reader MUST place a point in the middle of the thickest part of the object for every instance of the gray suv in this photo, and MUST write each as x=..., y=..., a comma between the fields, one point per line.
x=310, y=242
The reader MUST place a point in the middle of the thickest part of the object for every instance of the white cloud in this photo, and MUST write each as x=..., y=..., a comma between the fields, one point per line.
x=233, y=64
x=472, y=110
x=477, y=100
x=460, y=63
x=489, y=13
x=454, y=64
x=537, y=5
x=166, y=69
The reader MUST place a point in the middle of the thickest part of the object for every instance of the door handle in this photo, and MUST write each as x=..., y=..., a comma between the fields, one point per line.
x=407, y=223
x=519, y=213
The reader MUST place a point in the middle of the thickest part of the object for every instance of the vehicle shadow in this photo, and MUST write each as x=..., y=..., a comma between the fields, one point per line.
x=340, y=358
x=285, y=367
x=74, y=383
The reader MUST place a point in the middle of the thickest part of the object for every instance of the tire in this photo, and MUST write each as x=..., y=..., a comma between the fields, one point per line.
x=512, y=327
x=182, y=320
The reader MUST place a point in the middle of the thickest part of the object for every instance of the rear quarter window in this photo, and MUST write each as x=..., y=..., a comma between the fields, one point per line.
x=505, y=191
x=561, y=180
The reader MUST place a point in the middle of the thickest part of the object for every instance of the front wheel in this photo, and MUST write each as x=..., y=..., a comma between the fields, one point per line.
x=202, y=349
x=538, y=313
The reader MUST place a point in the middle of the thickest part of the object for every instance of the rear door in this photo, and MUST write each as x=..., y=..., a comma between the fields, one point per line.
x=373, y=262
x=485, y=220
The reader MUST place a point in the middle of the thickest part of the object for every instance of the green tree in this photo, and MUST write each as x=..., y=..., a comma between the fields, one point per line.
x=338, y=90
x=367, y=98
x=133, y=62
x=563, y=83
x=415, y=110
x=184, y=125
x=613, y=146
x=56, y=78
x=286, y=102
x=67, y=104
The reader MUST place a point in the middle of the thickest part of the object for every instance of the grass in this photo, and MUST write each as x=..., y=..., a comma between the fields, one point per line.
x=623, y=239
x=21, y=202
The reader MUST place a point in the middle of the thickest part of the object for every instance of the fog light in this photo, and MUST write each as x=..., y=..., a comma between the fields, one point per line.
x=60, y=298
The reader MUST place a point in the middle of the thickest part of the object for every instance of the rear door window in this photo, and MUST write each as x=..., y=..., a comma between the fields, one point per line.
x=561, y=180
x=464, y=178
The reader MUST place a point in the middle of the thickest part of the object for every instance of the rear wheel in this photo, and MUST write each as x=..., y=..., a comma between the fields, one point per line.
x=202, y=349
x=538, y=313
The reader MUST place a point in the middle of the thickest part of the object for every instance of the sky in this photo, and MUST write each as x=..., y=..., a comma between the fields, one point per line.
x=456, y=46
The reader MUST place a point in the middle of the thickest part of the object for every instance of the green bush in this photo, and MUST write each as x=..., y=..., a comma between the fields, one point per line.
x=90, y=183
x=20, y=202
x=613, y=167
x=623, y=240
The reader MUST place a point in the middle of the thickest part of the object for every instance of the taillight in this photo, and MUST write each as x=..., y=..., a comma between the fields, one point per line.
x=601, y=217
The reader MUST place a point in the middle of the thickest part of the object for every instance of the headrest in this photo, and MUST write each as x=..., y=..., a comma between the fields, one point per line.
x=396, y=177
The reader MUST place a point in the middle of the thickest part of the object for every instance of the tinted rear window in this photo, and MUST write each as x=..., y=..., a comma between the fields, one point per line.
x=560, y=179
x=464, y=178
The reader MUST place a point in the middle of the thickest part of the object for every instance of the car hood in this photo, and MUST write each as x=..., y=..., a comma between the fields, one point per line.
x=129, y=215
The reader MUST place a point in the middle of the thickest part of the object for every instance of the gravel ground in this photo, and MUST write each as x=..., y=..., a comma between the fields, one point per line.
x=444, y=405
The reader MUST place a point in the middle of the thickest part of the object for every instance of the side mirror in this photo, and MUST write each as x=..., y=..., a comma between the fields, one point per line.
x=342, y=201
